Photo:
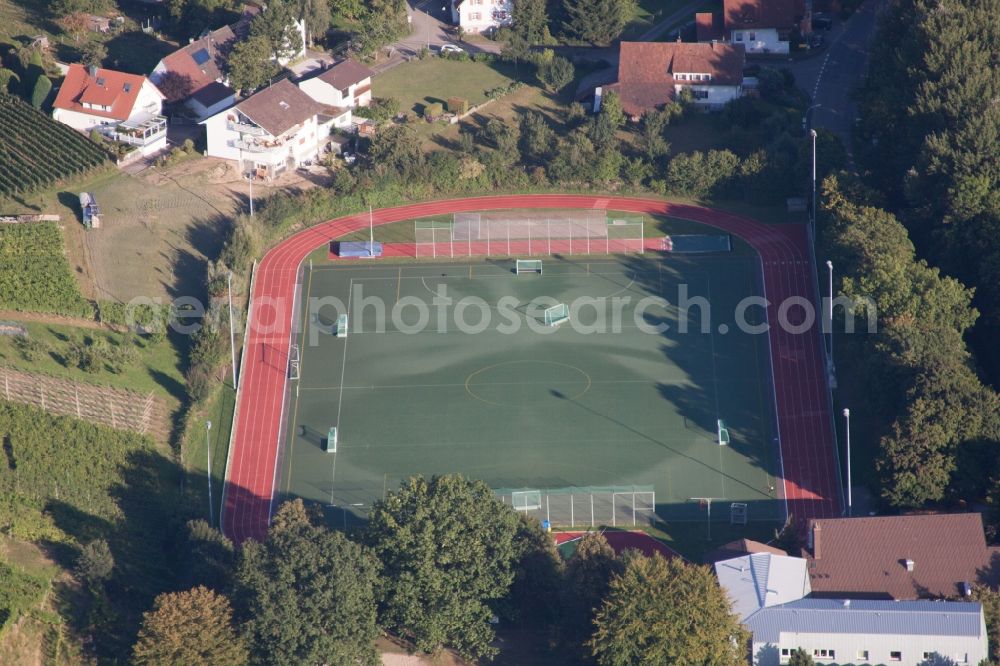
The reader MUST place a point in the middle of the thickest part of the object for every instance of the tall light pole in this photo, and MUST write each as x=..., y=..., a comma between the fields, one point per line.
x=829, y=310
x=232, y=334
x=208, y=445
x=847, y=439
x=812, y=133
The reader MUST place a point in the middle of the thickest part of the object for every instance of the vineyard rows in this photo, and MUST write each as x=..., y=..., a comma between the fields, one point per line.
x=36, y=151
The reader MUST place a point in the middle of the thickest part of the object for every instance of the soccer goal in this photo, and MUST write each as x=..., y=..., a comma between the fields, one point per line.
x=526, y=500
x=528, y=266
x=342, y=326
x=556, y=315
x=331, y=440
x=723, y=432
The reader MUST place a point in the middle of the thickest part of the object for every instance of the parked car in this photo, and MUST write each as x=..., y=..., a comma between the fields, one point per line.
x=815, y=41
x=451, y=48
x=349, y=158
x=821, y=22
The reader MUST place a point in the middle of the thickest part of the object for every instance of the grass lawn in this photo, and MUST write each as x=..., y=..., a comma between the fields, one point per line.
x=157, y=367
x=219, y=410
x=648, y=13
x=420, y=82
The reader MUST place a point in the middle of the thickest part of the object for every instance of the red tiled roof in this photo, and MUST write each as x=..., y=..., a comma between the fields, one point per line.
x=211, y=50
x=646, y=70
x=744, y=14
x=709, y=26
x=867, y=557
x=106, y=87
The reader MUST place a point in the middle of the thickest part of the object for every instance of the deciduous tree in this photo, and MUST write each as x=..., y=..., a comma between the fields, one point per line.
x=192, y=627
x=250, y=63
x=661, y=611
x=307, y=594
x=448, y=550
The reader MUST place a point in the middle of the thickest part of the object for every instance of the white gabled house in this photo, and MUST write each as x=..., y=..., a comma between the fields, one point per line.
x=479, y=15
x=346, y=84
x=124, y=107
x=275, y=130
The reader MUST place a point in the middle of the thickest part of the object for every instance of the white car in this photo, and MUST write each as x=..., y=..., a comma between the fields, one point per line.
x=451, y=48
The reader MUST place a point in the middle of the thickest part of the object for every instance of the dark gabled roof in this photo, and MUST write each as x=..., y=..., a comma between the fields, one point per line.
x=867, y=557
x=203, y=60
x=213, y=93
x=738, y=548
x=345, y=74
x=279, y=107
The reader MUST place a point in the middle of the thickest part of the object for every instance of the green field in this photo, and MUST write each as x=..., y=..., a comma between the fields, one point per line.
x=584, y=404
x=420, y=82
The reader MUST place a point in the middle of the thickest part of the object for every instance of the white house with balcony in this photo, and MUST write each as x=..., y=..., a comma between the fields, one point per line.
x=124, y=107
x=347, y=84
x=275, y=130
x=479, y=15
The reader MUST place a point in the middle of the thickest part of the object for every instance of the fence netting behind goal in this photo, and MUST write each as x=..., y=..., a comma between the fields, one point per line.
x=501, y=225
x=585, y=506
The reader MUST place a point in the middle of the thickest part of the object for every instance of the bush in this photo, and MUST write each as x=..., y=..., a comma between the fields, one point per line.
x=556, y=74
x=380, y=110
x=43, y=86
x=433, y=110
x=458, y=105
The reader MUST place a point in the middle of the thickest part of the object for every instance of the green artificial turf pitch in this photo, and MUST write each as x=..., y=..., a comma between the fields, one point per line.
x=580, y=404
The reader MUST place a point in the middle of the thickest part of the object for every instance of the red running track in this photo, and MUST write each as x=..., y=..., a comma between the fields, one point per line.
x=808, y=467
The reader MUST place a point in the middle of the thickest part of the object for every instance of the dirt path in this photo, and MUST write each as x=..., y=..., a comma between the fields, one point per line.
x=59, y=320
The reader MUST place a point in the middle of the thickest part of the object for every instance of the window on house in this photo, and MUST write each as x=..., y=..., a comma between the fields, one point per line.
x=895, y=655
x=863, y=655
x=753, y=36
x=699, y=94
x=824, y=654
x=738, y=36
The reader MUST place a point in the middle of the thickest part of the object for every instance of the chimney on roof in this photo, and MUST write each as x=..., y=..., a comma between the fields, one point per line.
x=92, y=70
x=814, y=540
x=910, y=564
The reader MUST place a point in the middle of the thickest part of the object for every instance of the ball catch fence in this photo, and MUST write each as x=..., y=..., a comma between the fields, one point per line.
x=585, y=506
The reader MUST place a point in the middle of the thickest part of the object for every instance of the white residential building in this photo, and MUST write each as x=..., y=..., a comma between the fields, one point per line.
x=272, y=131
x=479, y=15
x=124, y=107
x=347, y=84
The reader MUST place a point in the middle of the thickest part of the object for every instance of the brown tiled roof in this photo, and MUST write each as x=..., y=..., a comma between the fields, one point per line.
x=738, y=548
x=646, y=70
x=202, y=60
x=279, y=107
x=106, y=87
x=744, y=14
x=867, y=557
x=709, y=26
x=345, y=74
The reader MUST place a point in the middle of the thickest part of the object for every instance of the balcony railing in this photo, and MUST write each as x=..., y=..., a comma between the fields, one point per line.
x=139, y=133
x=244, y=128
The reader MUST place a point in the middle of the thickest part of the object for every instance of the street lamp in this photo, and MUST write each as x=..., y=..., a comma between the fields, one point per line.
x=208, y=444
x=847, y=436
x=829, y=310
x=232, y=334
x=812, y=133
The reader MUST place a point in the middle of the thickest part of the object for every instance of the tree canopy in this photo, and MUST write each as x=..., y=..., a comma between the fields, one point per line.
x=661, y=611
x=448, y=550
x=192, y=627
x=307, y=594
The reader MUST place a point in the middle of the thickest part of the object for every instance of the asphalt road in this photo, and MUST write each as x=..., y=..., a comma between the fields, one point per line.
x=830, y=79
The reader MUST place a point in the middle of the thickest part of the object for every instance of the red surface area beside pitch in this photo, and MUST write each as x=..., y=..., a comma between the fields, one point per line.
x=797, y=358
